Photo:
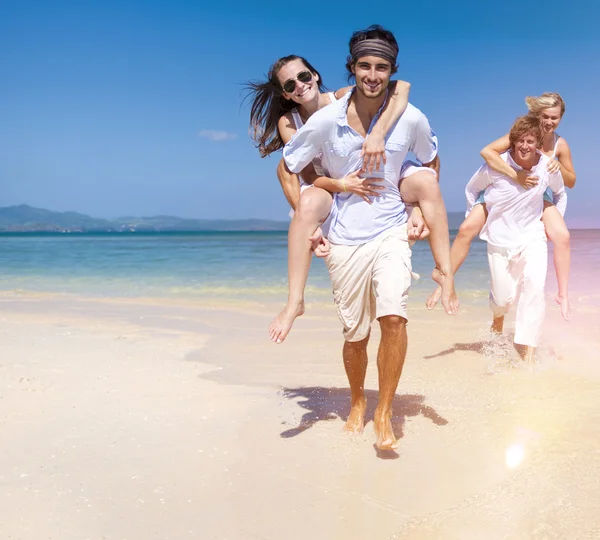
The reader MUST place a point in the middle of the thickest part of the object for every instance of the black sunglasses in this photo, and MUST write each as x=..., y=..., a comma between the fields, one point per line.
x=290, y=85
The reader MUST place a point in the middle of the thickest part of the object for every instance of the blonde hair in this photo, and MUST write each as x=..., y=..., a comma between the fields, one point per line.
x=528, y=124
x=536, y=104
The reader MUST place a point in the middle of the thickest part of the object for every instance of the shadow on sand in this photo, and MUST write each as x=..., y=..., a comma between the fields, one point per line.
x=324, y=404
x=478, y=347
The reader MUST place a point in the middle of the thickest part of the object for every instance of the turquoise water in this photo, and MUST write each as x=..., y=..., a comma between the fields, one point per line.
x=233, y=265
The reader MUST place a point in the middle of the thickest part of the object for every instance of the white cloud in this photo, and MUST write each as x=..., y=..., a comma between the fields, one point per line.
x=214, y=135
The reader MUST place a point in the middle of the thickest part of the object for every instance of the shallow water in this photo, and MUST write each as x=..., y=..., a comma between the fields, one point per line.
x=226, y=265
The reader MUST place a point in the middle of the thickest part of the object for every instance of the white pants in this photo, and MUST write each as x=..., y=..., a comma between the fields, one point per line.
x=520, y=276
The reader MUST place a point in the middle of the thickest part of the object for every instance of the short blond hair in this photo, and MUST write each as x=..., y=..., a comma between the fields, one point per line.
x=536, y=104
x=530, y=123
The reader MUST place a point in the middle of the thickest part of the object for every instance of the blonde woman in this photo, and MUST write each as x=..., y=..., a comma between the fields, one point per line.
x=549, y=108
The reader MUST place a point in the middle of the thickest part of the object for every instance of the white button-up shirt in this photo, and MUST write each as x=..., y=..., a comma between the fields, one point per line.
x=514, y=213
x=353, y=220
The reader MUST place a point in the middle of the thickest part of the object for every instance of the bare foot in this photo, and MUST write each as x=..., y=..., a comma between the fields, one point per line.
x=282, y=324
x=432, y=301
x=497, y=325
x=356, y=418
x=525, y=352
x=382, y=423
x=449, y=298
x=565, y=306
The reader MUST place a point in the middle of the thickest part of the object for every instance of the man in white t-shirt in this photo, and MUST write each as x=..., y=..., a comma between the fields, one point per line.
x=517, y=249
x=370, y=258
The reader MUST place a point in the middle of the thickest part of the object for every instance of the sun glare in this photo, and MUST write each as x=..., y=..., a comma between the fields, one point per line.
x=514, y=455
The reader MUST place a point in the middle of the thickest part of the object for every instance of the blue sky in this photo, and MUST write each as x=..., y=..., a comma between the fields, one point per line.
x=111, y=108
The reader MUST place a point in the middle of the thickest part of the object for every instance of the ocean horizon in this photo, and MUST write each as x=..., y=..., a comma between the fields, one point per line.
x=232, y=266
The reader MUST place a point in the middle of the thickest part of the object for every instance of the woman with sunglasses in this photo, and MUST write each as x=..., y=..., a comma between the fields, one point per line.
x=292, y=92
x=549, y=107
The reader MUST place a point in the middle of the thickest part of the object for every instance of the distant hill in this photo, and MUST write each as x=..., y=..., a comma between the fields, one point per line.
x=24, y=218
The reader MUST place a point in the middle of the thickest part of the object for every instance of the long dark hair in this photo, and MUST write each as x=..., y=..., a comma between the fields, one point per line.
x=269, y=105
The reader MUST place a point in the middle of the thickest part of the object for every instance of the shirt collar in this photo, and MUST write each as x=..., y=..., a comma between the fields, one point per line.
x=342, y=117
x=514, y=164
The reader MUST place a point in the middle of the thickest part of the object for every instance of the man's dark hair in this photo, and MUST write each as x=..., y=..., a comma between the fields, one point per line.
x=375, y=31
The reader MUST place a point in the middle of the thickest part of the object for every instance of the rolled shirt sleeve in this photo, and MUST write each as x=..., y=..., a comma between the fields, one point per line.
x=303, y=147
x=478, y=183
x=556, y=184
x=424, y=142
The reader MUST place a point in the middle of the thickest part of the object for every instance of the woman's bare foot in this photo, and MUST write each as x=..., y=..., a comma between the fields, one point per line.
x=356, y=418
x=432, y=301
x=497, y=325
x=565, y=306
x=384, y=433
x=449, y=299
x=282, y=324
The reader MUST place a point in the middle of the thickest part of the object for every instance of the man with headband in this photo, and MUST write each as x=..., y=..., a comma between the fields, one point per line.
x=370, y=258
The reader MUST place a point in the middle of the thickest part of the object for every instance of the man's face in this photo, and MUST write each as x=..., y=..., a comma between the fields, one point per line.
x=372, y=76
x=550, y=118
x=525, y=148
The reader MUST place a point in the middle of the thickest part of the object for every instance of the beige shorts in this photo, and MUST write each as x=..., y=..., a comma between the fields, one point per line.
x=370, y=281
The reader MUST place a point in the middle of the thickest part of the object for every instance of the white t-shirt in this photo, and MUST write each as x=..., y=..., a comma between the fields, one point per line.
x=514, y=213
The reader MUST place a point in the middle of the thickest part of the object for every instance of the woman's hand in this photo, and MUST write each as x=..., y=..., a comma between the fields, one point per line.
x=553, y=166
x=526, y=179
x=363, y=187
x=373, y=152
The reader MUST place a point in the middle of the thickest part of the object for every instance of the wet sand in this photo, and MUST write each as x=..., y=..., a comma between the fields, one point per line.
x=152, y=420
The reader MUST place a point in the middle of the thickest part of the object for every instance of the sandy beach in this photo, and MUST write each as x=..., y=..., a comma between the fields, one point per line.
x=156, y=420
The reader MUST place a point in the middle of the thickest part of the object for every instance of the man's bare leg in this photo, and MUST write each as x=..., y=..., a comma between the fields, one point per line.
x=467, y=231
x=558, y=233
x=313, y=209
x=497, y=325
x=423, y=187
x=390, y=361
x=355, y=363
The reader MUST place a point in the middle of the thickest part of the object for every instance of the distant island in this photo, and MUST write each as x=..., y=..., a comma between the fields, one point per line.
x=24, y=218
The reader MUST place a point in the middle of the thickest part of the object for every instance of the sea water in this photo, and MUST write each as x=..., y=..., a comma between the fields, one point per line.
x=229, y=265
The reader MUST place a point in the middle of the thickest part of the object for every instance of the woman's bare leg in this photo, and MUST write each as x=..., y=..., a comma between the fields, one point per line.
x=313, y=209
x=557, y=231
x=468, y=230
x=422, y=187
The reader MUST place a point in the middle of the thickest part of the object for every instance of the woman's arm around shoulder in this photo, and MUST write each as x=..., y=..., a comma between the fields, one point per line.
x=491, y=155
x=373, y=150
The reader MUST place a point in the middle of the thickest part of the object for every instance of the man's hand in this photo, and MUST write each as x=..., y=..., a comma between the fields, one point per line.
x=417, y=229
x=319, y=244
x=373, y=152
x=526, y=179
x=363, y=187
